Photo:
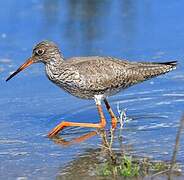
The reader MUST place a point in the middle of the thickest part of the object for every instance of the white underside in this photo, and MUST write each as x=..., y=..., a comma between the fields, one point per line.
x=99, y=98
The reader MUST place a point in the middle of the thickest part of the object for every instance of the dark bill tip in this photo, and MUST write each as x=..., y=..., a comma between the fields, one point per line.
x=22, y=67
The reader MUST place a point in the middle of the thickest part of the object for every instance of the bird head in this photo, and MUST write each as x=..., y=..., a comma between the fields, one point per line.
x=44, y=52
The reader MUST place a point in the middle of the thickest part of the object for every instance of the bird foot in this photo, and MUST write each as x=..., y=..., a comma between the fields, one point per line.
x=64, y=124
x=56, y=130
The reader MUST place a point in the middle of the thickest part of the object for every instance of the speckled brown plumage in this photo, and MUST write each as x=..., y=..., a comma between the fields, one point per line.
x=85, y=77
x=92, y=77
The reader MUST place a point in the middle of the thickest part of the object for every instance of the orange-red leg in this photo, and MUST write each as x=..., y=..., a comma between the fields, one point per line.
x=113, y=117
x=64, y=124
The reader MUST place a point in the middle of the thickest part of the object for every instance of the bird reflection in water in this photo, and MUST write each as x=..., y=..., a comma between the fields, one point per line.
x=106, y=136
x=60, y=140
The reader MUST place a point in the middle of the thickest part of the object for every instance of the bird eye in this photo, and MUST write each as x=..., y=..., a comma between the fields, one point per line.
x=39, y=52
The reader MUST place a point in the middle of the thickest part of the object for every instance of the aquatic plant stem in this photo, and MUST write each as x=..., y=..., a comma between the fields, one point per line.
x=173, y=161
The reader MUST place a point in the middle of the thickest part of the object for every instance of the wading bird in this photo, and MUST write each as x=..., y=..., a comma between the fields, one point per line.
x=92, y=77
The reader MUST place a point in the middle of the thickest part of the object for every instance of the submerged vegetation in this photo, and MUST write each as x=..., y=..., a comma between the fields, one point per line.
x=106, y=162
x=135, y=167
x=126, y=168
x=129, y=166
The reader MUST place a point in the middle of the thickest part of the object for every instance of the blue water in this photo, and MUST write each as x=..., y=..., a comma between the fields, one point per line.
x=30, y=105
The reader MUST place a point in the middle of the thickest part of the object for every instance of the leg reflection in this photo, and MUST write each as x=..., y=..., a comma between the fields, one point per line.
x=61, y=141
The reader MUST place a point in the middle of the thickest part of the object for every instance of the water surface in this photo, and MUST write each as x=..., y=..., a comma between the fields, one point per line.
x=30, y=105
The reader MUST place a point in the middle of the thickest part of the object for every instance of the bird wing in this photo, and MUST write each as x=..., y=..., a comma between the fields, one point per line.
x=99, y=73
x=102, y=73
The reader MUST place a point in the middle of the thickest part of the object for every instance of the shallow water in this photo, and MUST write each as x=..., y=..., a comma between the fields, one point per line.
x=30, y=105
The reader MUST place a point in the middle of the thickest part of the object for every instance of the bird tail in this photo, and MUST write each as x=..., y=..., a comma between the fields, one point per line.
x=156, y=69
x=171, y=64
x=148, y=70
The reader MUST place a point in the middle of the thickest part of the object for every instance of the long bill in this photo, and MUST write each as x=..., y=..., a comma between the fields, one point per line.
x=22, y=67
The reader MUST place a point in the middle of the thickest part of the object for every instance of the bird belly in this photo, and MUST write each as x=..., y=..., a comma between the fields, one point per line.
x=88, y=93
x=81, y=86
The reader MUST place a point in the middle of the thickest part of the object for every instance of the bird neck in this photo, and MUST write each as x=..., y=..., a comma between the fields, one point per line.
x=55, y=62
x=52, y=68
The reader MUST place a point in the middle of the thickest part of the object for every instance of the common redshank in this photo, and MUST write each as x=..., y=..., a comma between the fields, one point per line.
x=92, y=77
